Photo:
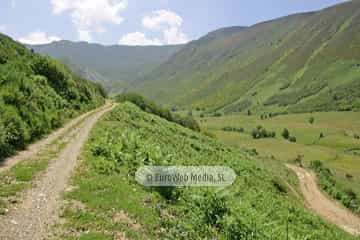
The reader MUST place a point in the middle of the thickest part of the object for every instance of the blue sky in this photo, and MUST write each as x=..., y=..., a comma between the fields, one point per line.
x=138, y=22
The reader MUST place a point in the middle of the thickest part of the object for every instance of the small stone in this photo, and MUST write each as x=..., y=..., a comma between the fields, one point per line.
x=14, y=222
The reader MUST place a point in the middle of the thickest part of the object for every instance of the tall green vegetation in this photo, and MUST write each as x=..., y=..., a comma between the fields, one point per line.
x=37, y=94
x=151, y=107
x=328, y=183
x=256, y=206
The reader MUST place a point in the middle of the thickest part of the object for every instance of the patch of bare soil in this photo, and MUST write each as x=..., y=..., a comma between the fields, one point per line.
x=31, y=219
x=323, y=205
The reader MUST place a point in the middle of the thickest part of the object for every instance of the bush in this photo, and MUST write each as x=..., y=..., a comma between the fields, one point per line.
x=151, y=107
x=356, y=136
x=235, y=229
x=170, y=193
x=286, y=133
x=261, y=132
x=311, y=120
x=321, y=135
x=279, y=185
x=233, y=129
x=292, y=139
x=299, y=160
x=37, y=94
x=214, y=208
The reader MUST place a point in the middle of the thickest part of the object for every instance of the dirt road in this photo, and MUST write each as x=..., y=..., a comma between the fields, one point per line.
x=30, y=220
x=323, y=205
x=33, y=149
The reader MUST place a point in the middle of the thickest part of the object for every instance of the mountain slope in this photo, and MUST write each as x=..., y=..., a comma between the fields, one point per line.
x=114, y=66
x=258, y=205
x=302, y=62
x=37, y=94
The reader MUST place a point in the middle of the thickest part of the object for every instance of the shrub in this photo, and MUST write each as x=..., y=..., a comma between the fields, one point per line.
x=317, y=165
x=349, y=176
x=321, y=135
x=299, y=160
x=311, y=120
x=233, y=129
x=261, y=132
x=286, y=133
x=249, y=112
x=214, y=208
x=235, y=229
x=292, y=139
x=170, y=193
x=356, y=136
x=279, y=185
x=255, y=133
x=151, y=107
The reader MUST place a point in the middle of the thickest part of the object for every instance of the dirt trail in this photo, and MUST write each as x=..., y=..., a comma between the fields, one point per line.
x=33, y=149
x=30, y=220
x=323, y=205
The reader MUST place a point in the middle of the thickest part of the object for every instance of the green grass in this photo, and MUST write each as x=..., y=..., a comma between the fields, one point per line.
x=335, y=150
x=37, y=95
x=263, y=197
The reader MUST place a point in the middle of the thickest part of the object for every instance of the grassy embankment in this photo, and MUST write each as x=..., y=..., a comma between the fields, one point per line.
x=332, y=139
x=106, y=202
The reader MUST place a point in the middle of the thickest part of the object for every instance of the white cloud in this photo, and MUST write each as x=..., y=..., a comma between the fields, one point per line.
x=138, y=39
x=84, y=35
x=175, y=36
x=169, y=23
x=3, y=28
x=90, y=16
x=161, y=19
x=13, y=3
x=38, y=37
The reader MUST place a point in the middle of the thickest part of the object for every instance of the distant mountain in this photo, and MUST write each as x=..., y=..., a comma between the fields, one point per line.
x=114, y=66
x=302, y=62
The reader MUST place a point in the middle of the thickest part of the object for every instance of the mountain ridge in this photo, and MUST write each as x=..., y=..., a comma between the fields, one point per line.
x=252, y=68
x=108, y=62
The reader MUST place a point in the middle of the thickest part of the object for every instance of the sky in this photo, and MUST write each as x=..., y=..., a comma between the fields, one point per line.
x=138, y=22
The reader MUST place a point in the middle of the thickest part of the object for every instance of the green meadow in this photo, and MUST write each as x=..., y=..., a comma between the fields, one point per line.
x=332, y=138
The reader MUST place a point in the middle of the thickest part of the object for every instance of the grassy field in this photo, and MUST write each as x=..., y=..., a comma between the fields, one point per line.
x=106, y=202
x=338, y=148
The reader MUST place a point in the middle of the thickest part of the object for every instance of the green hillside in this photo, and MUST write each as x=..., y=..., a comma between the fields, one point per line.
x=106, y=201
x=114, y=66
x=37, y=94
x=303, y=62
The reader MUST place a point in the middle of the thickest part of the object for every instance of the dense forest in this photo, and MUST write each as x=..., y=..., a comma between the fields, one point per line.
x=37, y=94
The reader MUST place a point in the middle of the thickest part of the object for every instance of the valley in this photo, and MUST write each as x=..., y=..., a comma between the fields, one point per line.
x=278, y=102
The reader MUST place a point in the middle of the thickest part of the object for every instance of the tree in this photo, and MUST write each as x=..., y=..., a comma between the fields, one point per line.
x=311, y=120
x=249, y=112
x=255, y=133
x=286, y=133
x=292, y=139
